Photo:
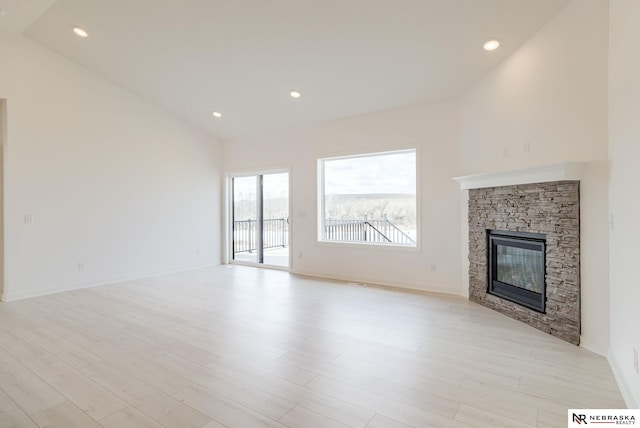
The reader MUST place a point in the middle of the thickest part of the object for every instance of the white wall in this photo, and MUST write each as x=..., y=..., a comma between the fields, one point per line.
x=551, y=94
x=111, y=181
x=624, y=152
x=433, y=129
x=3, y=137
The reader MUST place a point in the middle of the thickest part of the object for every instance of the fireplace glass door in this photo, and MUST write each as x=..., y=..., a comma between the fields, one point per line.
x=517, y=268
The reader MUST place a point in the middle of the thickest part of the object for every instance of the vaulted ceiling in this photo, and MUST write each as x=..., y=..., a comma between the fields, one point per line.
x=243, y=57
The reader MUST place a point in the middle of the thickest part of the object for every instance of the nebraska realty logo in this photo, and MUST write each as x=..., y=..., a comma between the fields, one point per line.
x=579, y=417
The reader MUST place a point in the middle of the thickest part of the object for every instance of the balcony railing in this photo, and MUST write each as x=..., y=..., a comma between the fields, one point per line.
x=275, y=233
x=375, y=231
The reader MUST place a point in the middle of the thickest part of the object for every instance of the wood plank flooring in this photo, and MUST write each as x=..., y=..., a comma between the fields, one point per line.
x=235, y=346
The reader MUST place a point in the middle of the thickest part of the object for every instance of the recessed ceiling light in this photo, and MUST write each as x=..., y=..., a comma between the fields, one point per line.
x=80, y=32
x=217, y=114
x=295, y=94
x=491, y=45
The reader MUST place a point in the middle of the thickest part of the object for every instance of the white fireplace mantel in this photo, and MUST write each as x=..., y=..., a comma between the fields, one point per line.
x=541, y=174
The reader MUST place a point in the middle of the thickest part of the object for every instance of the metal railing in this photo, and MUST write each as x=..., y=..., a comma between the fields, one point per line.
x=376, y=231
x=275, y=233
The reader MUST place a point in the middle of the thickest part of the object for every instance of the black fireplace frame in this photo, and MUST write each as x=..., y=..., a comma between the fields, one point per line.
x=531, y=241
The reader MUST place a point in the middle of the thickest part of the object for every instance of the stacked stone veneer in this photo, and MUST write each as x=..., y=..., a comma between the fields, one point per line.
x=552, y=209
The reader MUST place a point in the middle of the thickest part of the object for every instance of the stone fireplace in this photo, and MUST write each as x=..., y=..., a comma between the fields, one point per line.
x=524, y=253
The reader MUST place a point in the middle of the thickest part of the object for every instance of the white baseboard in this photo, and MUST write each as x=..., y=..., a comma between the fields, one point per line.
x=622, y=383
x=598, y=348
x=11, y=297
x=372, y=281
x=464, y=291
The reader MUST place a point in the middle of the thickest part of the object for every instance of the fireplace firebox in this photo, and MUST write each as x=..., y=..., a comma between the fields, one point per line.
x=516, y=262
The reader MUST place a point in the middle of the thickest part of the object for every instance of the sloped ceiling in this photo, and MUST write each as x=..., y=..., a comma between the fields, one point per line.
x=242, y=57
x=17, y=15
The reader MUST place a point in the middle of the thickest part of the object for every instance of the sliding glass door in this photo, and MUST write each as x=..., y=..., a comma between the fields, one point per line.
x=260, y=219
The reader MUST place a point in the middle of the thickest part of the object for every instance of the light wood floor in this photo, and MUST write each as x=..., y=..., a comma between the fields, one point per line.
x=245, y=347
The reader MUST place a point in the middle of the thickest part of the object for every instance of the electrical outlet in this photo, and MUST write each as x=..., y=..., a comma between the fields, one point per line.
x=300, y=255
x=197, y=251
x=80, y=266
x=28, y=219
x=505, y=152
x=434, y=268
x=527, y=148
x=635, y=359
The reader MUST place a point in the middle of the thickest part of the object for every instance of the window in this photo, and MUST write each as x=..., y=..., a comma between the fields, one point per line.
x=369, y=199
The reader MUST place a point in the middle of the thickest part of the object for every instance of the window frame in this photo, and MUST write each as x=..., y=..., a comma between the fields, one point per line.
x=320, y=211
